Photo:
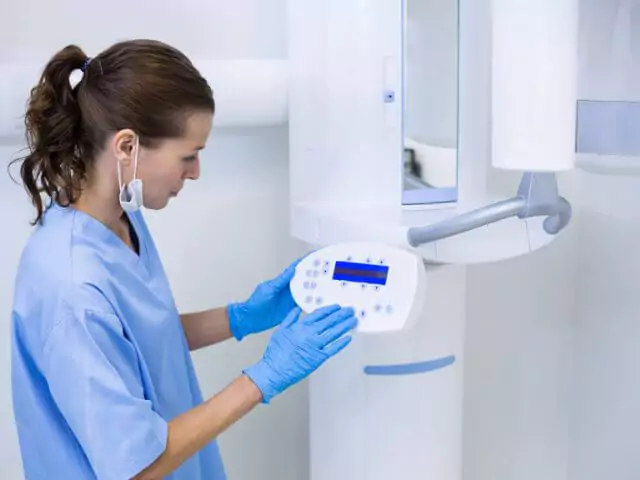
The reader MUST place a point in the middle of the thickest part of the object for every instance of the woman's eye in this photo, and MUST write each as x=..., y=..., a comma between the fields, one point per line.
x=191, y=158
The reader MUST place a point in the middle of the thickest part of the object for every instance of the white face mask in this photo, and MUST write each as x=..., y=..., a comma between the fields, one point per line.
x=131, y=194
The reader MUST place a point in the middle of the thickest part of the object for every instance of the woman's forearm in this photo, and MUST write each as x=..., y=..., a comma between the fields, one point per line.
x=206, y=328
x=193, y=430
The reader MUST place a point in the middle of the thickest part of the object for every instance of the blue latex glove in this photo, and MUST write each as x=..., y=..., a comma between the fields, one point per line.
x=299, y=347
x=267, y=306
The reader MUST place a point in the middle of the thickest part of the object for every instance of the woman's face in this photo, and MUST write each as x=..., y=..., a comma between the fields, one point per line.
x=164, y=168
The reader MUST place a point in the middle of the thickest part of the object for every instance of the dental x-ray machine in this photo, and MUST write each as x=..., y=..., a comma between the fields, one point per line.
x=396, y=108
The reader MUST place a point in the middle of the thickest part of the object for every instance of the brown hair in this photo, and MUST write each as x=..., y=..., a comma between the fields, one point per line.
x=144, y=85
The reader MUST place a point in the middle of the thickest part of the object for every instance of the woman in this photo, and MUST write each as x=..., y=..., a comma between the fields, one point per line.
x=103, y=382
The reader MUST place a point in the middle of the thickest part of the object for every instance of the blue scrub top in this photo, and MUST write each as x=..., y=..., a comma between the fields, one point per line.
x=100, y=362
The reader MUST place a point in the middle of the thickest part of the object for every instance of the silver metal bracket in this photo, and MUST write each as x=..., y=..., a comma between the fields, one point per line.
x=537, y=196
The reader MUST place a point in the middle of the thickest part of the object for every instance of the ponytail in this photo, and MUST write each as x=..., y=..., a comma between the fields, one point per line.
x=55, y=164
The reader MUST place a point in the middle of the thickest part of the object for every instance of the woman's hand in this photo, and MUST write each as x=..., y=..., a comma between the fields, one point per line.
x=267, y=307
x=299, y=347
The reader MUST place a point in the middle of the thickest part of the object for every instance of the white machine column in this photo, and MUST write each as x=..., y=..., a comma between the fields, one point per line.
x=390, y=407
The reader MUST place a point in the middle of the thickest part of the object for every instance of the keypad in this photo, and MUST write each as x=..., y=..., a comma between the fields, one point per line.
x=322, y=268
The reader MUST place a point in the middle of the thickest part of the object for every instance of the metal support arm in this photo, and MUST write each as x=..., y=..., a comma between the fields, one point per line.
x=537, y=196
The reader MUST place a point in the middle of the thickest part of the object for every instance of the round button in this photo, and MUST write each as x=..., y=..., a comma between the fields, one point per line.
x=315, y=274
x=316, y=263
x=309, y=273
x=325, y=271
x=313, y=285
x=363, y=286
x=308, y=299
x=319, y=301
x=377, y=308
x=363, y=313
x=306, y=285
x=389, y=309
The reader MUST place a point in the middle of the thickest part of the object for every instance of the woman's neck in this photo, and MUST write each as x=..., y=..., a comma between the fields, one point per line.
x=100, y=200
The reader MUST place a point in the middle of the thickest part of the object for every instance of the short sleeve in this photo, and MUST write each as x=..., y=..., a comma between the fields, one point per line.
x=93, y=375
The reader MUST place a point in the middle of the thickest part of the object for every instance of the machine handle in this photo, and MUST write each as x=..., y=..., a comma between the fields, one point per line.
x=537, y=196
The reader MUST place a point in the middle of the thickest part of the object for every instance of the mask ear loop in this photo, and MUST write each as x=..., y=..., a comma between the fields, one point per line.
x=135, y=159
x=120, y=185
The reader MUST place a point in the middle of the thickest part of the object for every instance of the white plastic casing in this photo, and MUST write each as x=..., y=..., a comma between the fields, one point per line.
x=346, y=133
x=534, y=101
x=381, y=304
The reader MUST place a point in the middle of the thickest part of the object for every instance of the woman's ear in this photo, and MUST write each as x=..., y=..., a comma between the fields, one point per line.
x=123, y=145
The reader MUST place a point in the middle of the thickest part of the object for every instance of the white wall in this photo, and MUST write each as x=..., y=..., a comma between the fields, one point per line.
x=551, y=376
x=242, y=28
x=605, y=417
x=517, y=363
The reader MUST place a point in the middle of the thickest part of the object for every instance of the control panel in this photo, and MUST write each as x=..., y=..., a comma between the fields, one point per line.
x=384, y=284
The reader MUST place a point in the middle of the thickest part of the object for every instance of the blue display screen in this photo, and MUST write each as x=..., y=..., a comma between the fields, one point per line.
x=361, y=273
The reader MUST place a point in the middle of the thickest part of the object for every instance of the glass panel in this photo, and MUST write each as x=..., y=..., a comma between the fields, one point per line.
x=430, y=116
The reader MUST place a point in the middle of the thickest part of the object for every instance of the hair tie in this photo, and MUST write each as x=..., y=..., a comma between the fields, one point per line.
x=85, y=65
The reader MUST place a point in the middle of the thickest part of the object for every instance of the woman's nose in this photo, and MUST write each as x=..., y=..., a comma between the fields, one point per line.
x=193, y=172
